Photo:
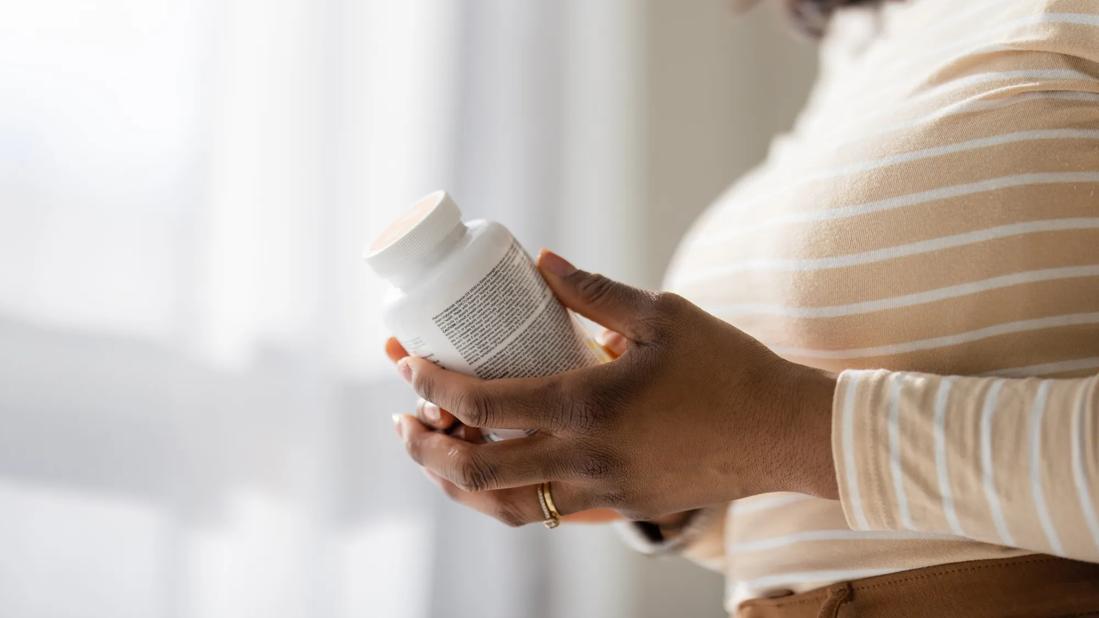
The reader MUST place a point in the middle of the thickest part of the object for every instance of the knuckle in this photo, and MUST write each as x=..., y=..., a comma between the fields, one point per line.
x=556, y=401
x=579, y=414
x=594, y=468
x=594, y=465
x=508, y=514
x=475, y=407
x=425, y=385
x=601, y=408
x=664, y=312
x=594, y=287
x=614, y=499
x=415, y=448
x=669, y=304
x=473, y=473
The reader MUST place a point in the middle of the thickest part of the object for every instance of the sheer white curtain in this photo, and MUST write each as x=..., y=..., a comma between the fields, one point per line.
x=194, y=412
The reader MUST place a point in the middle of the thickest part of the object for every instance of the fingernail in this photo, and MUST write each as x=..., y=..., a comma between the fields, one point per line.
x=431, y=412
x=405, y=370
x=397, y=425
x=555, y=264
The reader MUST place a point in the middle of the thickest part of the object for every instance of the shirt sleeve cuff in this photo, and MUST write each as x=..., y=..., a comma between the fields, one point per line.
x=703, y=527
x=860, y=449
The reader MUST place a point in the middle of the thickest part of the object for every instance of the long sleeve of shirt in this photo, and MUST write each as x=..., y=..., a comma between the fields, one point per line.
x=1007, y=461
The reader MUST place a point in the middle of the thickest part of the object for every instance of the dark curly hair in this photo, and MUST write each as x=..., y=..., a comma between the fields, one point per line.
x=811, y=16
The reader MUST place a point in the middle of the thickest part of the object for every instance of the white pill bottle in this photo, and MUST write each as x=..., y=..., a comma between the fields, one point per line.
x=466, y=296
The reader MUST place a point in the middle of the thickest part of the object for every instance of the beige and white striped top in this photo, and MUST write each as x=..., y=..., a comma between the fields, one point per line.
x=934, y=210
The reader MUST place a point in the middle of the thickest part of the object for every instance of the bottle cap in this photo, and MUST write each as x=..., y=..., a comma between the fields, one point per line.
x=414, y=235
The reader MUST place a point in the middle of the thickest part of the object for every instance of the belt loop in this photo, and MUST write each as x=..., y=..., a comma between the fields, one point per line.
x=838, y=594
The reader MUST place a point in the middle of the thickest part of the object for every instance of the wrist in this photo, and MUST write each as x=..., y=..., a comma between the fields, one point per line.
x=811, y=442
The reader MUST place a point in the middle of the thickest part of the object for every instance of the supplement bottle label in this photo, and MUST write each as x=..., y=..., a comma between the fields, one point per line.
x=510, y=325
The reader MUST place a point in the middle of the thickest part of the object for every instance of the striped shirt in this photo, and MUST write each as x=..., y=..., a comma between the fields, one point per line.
x=933, y=214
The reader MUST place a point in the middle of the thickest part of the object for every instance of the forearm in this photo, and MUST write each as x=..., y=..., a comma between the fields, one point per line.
x=813, y=470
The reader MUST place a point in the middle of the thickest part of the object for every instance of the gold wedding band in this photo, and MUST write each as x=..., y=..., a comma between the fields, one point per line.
x=549, y=509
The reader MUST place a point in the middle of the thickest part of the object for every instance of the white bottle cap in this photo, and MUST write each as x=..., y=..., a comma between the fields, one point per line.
x=414, y=236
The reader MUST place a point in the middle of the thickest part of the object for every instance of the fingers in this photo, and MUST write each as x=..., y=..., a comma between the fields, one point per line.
x=510, y=403
x=514, y=507
x=426, y=411
x=433, y=416
x=479, y=467
x=614, y=305
x=614, y=343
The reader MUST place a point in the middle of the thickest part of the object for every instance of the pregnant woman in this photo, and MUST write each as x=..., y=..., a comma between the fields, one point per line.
x=871, y=389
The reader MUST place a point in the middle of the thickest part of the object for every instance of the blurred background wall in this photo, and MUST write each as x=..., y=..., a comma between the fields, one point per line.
x=194, y=410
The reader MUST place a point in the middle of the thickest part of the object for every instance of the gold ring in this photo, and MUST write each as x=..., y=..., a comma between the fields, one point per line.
x=549, y=509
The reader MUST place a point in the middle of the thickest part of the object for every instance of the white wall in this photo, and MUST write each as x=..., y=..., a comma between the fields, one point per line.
x=717, y=88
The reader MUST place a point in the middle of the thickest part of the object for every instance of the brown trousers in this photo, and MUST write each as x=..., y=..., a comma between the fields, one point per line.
x=1028, y=586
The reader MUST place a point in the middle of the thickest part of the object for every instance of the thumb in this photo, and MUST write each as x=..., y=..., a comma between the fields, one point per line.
x=607, y=302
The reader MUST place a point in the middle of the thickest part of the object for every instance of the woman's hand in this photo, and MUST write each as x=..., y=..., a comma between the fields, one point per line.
x=694, y=412
x=438, y=419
